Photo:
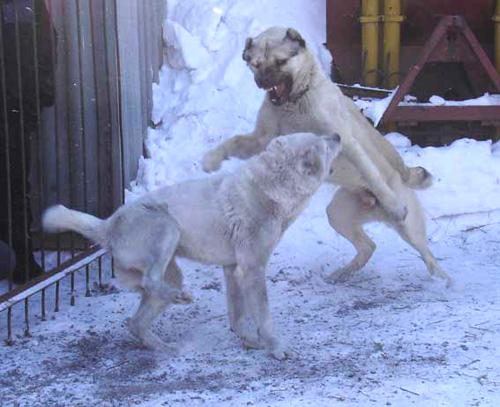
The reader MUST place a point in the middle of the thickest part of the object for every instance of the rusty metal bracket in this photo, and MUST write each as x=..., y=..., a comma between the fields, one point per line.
x=451, y=34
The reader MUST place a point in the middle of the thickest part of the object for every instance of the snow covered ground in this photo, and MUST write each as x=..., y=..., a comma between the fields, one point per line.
x=391, y=336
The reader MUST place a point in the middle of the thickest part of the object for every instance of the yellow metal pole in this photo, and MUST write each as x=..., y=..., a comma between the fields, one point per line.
x=369, y=34
x=392, y=41
x=496, y=19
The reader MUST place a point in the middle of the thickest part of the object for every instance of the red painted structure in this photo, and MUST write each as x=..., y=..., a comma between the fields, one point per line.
x=451, y=42
x=446, y=49
x=422, y=17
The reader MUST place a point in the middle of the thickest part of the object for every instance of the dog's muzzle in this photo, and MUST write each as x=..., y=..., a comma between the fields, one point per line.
x=278, y=89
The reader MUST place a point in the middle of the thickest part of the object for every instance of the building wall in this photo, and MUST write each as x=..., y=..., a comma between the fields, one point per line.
x=139, y=25
x=108, y=54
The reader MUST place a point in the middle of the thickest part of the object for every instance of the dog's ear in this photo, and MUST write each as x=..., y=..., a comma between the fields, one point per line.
x=294, y=35
x=248, y=45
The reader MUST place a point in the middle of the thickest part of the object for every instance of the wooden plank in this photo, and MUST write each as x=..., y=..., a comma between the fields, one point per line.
x=446, y=113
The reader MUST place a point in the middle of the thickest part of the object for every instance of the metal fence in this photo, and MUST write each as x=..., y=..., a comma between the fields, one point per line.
x=75, y=102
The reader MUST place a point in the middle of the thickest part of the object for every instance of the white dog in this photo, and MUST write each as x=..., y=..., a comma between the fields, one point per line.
x=234, y=221
x=375, y=182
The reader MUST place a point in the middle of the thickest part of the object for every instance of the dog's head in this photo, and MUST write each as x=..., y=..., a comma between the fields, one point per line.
x=304, y=159
x=277, y=58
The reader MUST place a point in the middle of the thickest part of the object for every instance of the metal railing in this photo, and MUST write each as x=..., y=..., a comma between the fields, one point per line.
x=64, y=83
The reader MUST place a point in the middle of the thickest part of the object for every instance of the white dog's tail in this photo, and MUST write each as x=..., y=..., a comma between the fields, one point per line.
x=417, y=177
x=61, y=219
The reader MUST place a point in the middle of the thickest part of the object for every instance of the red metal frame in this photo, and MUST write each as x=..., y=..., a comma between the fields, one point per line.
x=451, y=41
x=422, y=16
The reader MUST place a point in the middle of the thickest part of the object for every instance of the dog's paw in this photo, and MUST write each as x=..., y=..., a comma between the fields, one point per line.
x=149, y=339
x=155, y=344
x=449, y=282
x=133, y=327
x=283, y=353
x=182, y=297
x=162, y=290
x=437, y=271
x=212, y=161
x=339, y=276
x=250, y=343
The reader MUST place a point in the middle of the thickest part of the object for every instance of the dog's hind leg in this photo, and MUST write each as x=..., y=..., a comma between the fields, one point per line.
x=153, y=303
x=346, y=214
x=174, y=278
x=162, y=253
x=140, y=324
x=413, y=231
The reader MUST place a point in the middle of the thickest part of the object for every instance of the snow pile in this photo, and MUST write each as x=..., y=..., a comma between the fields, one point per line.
x=374, y=109
x=206, y=92
x=485, y=100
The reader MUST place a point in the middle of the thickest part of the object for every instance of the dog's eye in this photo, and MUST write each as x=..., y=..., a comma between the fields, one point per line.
x=281, y=62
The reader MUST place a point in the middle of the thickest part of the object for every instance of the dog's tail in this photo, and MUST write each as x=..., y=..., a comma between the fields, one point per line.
x=417, y=177
x=61, y=219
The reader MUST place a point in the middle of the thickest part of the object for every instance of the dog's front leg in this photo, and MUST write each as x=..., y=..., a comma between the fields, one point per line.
x=238, y=317
x=378, y=186
x=253, y=282
x=234, y=295
x=242, y=147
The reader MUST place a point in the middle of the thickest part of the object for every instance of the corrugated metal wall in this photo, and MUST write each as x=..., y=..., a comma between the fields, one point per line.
x=140, y=49
x=108, y=54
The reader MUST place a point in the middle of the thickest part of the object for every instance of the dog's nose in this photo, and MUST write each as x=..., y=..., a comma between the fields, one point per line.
x=265, y=78
x=258, y=81
x=262, y=81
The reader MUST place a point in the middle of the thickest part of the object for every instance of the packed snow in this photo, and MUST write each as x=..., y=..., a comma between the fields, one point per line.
x=391, y=336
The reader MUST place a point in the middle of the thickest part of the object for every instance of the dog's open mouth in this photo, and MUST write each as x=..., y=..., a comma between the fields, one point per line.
x=278, y=93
